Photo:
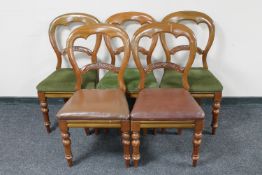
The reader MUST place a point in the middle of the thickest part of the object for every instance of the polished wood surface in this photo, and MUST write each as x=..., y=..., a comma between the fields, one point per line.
x=110, y=32
x=119, y=19
x=198, y=18
x=66, y=20
x=154, y=29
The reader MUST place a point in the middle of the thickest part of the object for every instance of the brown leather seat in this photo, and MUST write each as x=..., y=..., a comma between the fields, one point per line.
x=95, y=104
x=166, y=104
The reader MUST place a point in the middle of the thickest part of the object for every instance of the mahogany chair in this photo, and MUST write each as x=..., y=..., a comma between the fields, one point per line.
x=203, y=84
x=97, y=108
x=165, y=107
x=61, y=82
x=131, y=75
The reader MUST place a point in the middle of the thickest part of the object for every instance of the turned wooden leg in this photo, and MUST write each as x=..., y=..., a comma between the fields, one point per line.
x=44, y=109
x=144, y=132
x=87, y=131
x=135, y=127
x=215, y=111
x=66, y=142
x=125, y=129
x=197, y=141
x=179, y=131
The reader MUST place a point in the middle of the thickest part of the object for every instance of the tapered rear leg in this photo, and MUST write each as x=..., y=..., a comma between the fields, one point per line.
x=44, y=108
x=215, y=111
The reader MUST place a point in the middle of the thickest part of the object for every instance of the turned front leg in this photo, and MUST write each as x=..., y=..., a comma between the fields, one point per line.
x=125, y=129
x=215, y=111
x=44, y=109
x=135, y=128
x=66, y=142
x=197, y=141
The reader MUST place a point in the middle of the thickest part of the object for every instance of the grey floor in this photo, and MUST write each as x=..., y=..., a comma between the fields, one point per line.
x=26, y=148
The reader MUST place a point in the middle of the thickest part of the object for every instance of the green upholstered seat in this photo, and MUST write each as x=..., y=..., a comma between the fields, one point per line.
x=131, y=78
x=200, y=80
x=64, y=80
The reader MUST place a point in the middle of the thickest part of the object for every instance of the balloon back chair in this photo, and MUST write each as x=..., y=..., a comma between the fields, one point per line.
x=165, y=107
x=97, y=108
x=203, y=83
x=61, y=82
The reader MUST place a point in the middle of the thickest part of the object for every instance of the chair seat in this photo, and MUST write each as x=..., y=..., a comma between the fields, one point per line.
x=95, y=104
x=64, y=80
x=166, y=105
x=131, y=78
x=200, y=80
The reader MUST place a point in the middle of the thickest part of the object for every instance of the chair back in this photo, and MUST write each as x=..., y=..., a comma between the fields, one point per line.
x=196, y=17
x=110, y=31
x=157, y=28
x=65, y=20
x=120, y=19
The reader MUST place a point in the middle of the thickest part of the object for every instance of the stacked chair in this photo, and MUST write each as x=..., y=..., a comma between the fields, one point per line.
x=103, y=104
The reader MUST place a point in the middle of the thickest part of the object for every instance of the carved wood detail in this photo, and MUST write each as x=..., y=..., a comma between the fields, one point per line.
x=110, y=31
x=79, y=49
x=98, y=66
x=159, y=65
x=153, y=30
x=176, y=49
x=65, y=20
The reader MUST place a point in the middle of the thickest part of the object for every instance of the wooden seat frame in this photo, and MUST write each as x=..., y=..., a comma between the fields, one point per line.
x=150, y=31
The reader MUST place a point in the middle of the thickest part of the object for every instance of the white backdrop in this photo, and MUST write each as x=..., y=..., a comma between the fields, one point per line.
x=27, y=57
